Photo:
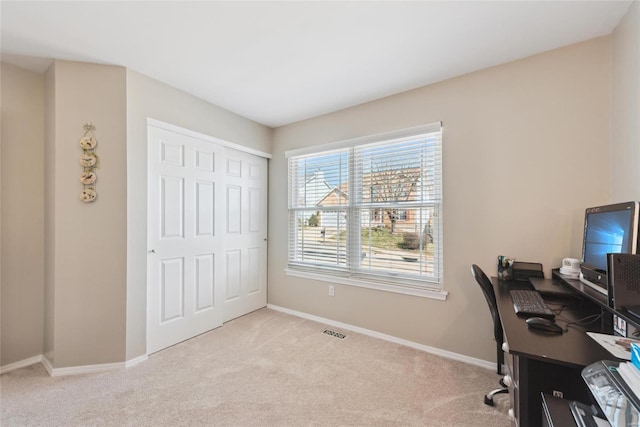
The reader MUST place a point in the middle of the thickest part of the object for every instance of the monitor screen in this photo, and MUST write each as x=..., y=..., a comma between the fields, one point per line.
x=609, y=229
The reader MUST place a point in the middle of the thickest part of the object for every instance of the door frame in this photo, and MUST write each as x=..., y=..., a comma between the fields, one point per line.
x=204, y=137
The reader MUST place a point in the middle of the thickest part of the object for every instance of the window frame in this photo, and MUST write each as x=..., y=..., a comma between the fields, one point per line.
x=401, y=215
x=352, y=274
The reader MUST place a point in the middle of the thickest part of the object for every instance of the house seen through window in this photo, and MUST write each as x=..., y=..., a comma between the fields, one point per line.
x=370, y=209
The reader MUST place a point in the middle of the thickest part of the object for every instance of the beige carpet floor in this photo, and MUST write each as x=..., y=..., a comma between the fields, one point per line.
x=263, y=369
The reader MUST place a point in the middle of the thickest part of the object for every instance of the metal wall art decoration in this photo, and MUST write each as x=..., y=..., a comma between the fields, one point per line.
x=89, y=163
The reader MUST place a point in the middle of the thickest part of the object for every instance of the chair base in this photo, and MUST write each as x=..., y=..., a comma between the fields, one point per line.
x=488, y=398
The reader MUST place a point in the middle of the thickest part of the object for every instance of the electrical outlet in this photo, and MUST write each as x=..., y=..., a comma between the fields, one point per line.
x=557, y=393
x=332, y=290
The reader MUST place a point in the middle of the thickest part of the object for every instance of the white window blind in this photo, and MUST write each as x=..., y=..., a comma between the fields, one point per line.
x=370, y=209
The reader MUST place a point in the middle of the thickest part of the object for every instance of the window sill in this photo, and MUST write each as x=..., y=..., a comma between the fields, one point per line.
x=398, y=289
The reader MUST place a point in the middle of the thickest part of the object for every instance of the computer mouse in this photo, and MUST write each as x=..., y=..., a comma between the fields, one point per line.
x=542, y=324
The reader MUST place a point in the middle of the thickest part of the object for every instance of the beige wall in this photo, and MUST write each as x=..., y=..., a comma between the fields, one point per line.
x=22, y=214
x=148, y=98
x=88, y=258
x=516, y=139
x=625, y=108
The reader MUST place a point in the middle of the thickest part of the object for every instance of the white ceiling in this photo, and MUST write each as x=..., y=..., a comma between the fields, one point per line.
x=281, y=62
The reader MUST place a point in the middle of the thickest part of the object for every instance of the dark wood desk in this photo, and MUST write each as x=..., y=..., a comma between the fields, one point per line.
x=538, y=362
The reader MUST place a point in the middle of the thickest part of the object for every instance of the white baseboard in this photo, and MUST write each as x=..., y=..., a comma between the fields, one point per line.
x=47, y=365
x=133, y=362
x=85, y=369
x=72, y=370
x=433, y=350
x=21, y=364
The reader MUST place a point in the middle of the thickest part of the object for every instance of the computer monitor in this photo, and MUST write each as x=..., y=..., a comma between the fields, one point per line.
x=607, y=229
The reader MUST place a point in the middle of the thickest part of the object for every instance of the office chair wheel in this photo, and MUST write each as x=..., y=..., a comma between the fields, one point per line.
x=488, y=398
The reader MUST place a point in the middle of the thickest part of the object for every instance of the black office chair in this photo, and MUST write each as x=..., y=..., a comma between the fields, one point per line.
x=490, y=296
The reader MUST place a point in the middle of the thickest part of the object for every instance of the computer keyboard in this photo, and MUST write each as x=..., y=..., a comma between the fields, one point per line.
x=530, y=303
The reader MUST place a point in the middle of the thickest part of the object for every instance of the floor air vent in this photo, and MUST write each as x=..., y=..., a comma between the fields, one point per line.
x=334, y=334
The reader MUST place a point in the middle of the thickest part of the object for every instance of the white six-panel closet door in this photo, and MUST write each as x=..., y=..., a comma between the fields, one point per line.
x=206, y=236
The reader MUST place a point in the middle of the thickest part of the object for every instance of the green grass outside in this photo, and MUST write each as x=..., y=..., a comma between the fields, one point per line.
x=381, y=238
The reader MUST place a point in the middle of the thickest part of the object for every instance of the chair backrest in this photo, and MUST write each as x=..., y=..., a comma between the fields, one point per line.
x=490, y=296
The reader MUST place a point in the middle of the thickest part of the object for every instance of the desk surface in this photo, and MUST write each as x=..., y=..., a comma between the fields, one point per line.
x=573, y=348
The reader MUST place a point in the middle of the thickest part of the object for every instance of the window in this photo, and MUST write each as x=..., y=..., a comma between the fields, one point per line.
x=369, y=210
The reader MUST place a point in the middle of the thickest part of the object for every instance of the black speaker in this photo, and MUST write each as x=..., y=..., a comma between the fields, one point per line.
x=623, y=275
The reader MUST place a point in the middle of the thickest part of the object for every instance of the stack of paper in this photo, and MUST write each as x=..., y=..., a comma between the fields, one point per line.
x=631, y=375
x=630, y=371
x=618, y=346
